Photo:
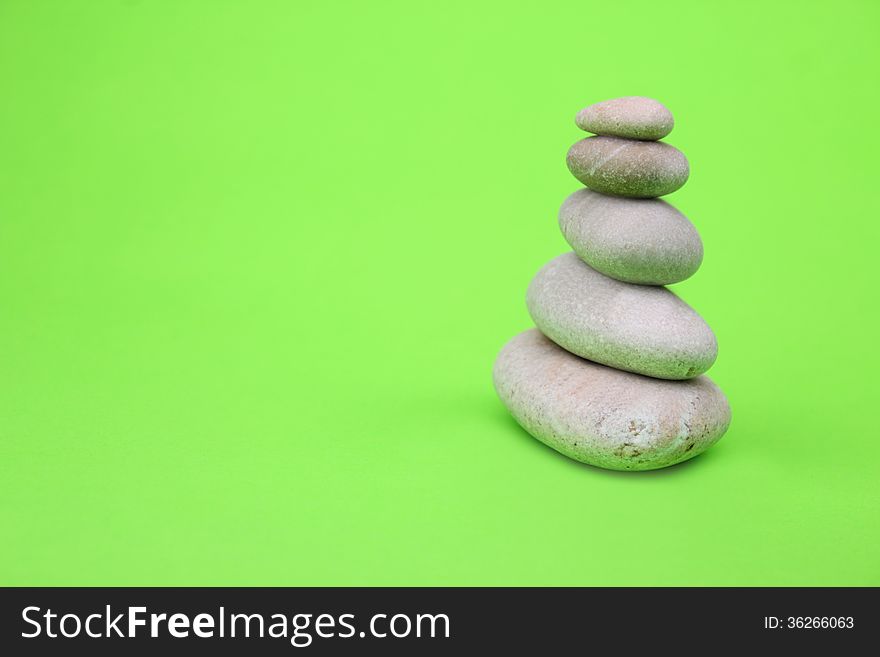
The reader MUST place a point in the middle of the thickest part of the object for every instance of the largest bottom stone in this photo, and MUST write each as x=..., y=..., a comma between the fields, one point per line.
x=606, y=417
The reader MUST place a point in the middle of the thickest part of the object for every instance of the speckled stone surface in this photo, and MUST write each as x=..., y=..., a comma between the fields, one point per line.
x=631, y=117
x=645, y=241
x=624, y=167
x=638, y=328
x=602, y=416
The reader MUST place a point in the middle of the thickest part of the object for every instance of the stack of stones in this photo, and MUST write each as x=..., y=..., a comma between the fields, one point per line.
x=613, y=377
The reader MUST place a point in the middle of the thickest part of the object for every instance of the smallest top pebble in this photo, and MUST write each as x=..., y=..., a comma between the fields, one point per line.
x=630, y=117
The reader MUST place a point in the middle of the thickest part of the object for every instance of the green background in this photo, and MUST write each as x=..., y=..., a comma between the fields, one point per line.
x=257, y=258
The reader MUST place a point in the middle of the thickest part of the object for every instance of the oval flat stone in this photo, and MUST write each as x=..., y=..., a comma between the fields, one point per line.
x=623, y=167
x=602, y=416
x=645, y=241
x=637, y=328
x=630, y=117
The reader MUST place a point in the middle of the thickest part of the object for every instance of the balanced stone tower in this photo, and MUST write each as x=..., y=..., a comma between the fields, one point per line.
x=613, y=376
